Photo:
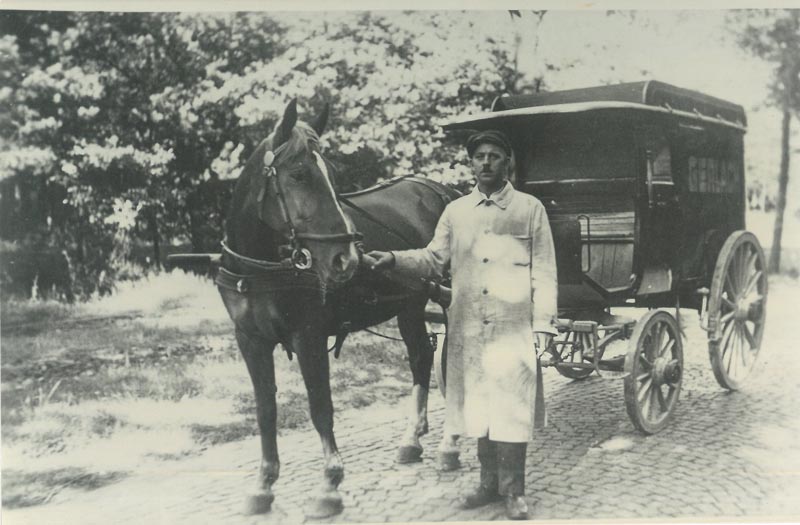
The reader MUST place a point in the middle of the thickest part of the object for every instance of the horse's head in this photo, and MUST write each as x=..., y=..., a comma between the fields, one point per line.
x=298, y=199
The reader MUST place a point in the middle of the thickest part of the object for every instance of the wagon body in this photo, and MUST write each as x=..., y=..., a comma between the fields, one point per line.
x=644, y=189
x=652, y=174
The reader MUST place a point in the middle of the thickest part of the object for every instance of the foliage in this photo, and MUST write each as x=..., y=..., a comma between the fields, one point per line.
x=774, y=36
x=127, y=128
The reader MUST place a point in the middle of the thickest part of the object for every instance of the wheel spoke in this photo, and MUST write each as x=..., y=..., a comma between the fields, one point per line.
x=645, y=404
x=727, y=317
x=751, y=260
x=645, y=389
x=644, y=375
x=734, y=272
x=661, y=400
x=729, y=285
x=667, y=347
x=735, y=344
x=742, y=342
x=726, y=336
x=643, y=359
x=654, y=411
x=727, y=351
x=751, y=283
x=749, y=337
x=727, y=302
x=743, y=260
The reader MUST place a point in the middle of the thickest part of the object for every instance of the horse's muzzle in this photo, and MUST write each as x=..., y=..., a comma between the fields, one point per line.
x=343, y=266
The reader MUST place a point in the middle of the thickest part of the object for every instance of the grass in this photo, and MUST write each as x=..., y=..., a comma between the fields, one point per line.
x=152, y=370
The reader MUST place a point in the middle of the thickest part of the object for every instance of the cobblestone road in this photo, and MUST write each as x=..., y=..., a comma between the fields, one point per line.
x=725, y=455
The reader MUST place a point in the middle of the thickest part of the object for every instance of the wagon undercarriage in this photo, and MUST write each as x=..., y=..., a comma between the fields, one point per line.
x=648, y=354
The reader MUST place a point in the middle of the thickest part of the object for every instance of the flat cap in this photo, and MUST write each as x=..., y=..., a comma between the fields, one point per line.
x=491, y=136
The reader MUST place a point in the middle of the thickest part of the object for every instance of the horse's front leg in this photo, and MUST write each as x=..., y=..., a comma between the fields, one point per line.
x=313, y=358
x=411, y=322
x=449, y=452
x=257, y=355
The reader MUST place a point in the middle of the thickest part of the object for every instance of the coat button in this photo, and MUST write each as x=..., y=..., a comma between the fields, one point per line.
x=485, y=291
x=485, y=321
x=485, y=260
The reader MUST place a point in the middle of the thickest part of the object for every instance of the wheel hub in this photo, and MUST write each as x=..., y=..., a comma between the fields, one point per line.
x=666, y=370
x=742, y=310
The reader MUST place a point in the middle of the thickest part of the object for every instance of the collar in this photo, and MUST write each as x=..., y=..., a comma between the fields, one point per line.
x=501, y=198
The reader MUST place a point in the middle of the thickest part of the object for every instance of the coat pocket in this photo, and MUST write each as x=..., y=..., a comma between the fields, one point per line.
x=522, y=250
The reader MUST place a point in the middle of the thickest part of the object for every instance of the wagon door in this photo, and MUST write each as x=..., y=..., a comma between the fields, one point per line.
x=660, y=213
x=583, y=169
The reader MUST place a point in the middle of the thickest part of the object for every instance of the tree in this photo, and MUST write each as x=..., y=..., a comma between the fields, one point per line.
x=131, y=125
x=391, y=80
x=101, y=120
x=774, y=35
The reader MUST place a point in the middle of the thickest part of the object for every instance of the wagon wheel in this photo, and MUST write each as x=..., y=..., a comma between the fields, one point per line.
x=653, y=371
x=581, y=344
x=737, y=308
x=440, y=366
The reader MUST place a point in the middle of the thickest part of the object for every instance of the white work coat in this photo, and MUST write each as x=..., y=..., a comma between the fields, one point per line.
x=502, y=262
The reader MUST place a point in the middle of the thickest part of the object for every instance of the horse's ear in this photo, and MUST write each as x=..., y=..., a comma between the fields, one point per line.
x=287, y=124
x=322, y=120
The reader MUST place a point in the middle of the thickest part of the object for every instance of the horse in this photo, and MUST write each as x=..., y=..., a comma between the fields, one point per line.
x=290, y=274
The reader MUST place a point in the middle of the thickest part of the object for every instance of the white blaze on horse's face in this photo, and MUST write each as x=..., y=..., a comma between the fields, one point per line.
x=324, y=169
x=343, y=265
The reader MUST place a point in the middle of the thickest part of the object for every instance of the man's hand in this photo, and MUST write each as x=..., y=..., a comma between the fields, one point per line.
x=379, y=260
x=542, y=341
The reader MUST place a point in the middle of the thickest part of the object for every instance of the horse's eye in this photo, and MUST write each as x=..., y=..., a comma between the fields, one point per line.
x=300, y=173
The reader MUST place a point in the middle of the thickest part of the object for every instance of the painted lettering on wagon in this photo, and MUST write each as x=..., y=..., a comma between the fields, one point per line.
x=710, y=175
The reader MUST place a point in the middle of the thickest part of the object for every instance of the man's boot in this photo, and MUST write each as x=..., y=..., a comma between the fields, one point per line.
x=516, y=507
x=511, y=478
x=487, y=490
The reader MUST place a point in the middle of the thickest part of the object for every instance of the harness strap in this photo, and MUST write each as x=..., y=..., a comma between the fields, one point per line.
x=330, y=237
x=270, y=282
x=285, y=264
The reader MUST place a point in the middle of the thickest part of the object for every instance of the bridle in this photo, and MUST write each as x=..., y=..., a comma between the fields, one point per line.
x=300, y=257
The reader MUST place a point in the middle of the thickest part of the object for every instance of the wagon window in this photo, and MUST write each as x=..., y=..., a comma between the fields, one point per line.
x=658, y=154
x=713, y=164
x=573, y=148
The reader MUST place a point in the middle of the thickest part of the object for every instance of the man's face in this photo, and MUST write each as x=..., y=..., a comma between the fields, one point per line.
x=490, y=166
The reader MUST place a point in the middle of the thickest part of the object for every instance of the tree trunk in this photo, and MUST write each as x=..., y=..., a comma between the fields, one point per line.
x=783, y=182
x=156, y=239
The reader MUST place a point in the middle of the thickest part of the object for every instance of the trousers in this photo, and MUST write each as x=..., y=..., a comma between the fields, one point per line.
x=502, y=466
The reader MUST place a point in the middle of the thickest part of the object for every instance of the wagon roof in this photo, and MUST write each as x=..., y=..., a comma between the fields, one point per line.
x=650, y=96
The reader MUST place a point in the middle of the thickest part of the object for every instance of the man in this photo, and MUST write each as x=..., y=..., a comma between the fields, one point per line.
x=498, y=244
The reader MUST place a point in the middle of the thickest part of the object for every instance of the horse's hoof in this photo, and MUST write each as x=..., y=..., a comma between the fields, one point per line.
x=449, y=461
x=409, y=454
x=325, y=506
x=259, y=503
